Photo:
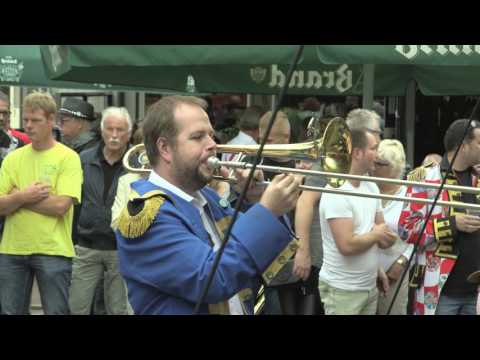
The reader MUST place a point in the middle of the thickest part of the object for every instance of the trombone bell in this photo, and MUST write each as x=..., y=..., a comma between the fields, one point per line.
x=332, y=147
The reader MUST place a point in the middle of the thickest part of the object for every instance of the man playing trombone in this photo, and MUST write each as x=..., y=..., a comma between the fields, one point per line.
x=171, y=229
x=449, y=250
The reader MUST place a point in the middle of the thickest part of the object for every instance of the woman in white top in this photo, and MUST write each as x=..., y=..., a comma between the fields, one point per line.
x=391, y=164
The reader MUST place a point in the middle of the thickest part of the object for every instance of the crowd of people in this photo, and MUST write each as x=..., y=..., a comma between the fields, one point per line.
x=101, y=240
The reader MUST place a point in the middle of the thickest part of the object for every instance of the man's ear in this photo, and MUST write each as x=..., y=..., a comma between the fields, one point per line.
x=51, y=118
x=164, y=149
x=356, y=152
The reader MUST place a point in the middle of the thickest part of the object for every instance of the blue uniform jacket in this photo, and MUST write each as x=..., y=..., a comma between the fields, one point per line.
x=167, y=267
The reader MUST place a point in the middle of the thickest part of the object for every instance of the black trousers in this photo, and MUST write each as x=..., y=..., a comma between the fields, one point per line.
x=302, y=297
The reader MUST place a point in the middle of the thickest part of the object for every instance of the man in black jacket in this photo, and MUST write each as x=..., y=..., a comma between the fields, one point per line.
x=97, y=249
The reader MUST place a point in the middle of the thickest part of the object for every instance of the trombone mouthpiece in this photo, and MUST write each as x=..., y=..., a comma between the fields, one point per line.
x=213, y=163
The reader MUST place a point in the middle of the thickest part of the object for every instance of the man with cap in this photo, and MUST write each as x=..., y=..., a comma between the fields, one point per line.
x=449, y=247
x=76, y=117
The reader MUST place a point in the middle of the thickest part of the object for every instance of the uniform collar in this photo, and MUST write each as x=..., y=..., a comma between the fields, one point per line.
x=156, y=179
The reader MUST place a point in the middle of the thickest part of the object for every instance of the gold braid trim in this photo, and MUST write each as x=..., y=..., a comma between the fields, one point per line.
x=417, y=174
x=222, y=308
x=280, y=261
x=134, y=226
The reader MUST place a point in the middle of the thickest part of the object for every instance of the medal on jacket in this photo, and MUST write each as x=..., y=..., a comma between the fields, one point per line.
x=223, y=203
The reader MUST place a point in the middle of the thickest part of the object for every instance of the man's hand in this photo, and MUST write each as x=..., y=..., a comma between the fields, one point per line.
x=382, y=282
x=304, y=164
x=254, y=192
x=385, y=237
x=35, y=192
x=302, y=264
x=476, y=169
x=467, y=223
x=282, y=193
x=395, y=271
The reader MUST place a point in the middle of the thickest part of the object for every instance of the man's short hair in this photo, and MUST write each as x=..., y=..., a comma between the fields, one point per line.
x=250, y=118
x=281, y=120
x=311, y=104
x=4, y=97
x=119, y=112
x=160, y=122
x=454, y=135
x=363, y=118
x=359, y=138
x=40, y=101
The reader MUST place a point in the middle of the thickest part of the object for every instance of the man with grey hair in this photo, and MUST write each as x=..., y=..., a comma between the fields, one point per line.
x=367, y=119
x=96, y=252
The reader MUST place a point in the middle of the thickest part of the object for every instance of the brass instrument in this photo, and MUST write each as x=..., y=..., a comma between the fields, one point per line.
x=332, y=148
x=214, y=163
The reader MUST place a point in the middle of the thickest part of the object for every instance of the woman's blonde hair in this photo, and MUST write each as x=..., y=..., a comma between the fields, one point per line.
x=392, y=150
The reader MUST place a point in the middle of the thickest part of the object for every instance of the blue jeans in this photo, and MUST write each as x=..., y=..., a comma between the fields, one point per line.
x=53, y=275
x=453, y=305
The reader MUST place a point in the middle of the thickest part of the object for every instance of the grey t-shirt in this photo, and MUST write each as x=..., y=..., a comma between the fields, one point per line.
x=316, y=250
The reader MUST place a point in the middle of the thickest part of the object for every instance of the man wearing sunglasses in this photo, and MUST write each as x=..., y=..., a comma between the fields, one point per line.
x=5, y=120
x=75, y=120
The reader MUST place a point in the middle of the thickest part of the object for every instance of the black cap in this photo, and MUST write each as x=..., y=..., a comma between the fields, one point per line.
x=456, y=131
x=77, y=108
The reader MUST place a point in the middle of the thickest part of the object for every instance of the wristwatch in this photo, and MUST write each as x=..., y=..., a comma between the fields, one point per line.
x=401, y=261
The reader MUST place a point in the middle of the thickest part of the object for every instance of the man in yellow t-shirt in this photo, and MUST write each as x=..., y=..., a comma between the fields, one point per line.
x=39, y=184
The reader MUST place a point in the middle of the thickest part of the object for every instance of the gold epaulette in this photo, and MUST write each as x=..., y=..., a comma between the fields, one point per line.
x=140, y=213
x=419, y=173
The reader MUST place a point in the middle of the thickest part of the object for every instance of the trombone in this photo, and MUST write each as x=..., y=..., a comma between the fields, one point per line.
x=332, y=147
x=214, y=163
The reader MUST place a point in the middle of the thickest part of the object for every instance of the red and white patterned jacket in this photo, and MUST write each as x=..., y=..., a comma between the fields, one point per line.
x=436, y=252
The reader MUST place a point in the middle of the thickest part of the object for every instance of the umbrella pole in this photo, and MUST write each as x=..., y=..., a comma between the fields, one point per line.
x=410, y=122
x=368, y=85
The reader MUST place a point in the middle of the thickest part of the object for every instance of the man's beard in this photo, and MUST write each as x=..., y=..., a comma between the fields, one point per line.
x=193, y=179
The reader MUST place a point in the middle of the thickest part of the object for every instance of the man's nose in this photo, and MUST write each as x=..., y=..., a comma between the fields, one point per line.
x=212, y=145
